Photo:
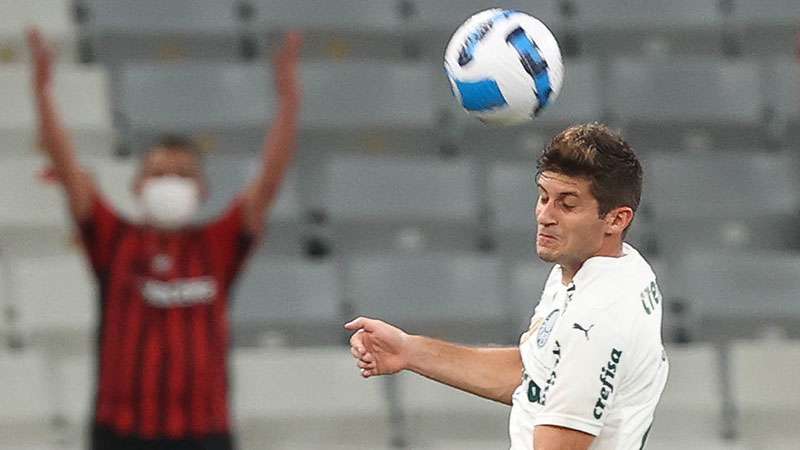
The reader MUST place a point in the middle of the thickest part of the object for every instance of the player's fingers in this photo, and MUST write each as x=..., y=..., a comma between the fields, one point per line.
x=356, y=354
x=366, y=373
x=357, y=342
x=368, y=357
x=355, y=324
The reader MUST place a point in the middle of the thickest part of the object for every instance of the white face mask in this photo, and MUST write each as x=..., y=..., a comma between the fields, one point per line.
x=169, y=201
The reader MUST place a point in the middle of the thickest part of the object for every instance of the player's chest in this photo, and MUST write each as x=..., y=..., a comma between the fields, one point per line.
x=166, y=274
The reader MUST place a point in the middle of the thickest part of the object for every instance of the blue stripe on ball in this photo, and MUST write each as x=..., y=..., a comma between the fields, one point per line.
x=480, y=95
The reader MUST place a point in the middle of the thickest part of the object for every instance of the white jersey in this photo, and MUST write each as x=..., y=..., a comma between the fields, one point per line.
x=593, y=358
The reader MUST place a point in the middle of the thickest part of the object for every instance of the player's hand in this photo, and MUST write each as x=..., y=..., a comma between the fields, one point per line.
x=380, y=348
x=285, y=65
x=42, y=56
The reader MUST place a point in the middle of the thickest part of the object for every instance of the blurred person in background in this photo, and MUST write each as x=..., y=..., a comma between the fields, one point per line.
x=591, y=368
x=164, y=282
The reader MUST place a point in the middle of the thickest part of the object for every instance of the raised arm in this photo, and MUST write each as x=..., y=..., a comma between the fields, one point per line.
x=383, y=349
x=280, y=143
x=53, y=137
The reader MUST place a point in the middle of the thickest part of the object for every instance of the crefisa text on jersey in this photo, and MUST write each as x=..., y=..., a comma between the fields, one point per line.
x=607, y=374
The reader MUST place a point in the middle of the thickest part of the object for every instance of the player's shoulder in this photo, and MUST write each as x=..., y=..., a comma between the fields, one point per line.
x=614, y=283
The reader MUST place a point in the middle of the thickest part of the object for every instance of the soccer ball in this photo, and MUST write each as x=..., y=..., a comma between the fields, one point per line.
x=504, y=66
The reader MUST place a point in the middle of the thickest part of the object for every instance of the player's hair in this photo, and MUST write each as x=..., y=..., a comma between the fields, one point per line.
x=600, y=155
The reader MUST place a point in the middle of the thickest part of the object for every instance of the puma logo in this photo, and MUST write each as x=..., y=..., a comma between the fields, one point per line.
x=577, y=326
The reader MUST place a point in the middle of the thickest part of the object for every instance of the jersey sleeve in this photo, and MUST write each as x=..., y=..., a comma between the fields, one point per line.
x=100, y=233
x=230, y=241
x=586, y=375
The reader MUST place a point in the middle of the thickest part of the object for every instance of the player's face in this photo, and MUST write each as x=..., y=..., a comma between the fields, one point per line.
x=569, y=228
x=162, y=161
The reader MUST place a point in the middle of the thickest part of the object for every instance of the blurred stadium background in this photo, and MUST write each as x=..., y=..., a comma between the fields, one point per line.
x=400, y=207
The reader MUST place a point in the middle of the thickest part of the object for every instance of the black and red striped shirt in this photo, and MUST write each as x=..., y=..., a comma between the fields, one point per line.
x=163, y=336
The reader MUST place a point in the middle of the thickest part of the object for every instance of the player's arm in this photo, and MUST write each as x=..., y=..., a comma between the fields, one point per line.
x=382, y=349
x=53, y=136
x=280, y=142
x=549, y=437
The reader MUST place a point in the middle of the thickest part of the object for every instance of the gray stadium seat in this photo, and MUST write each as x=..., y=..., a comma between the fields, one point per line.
x=197, y=95
x=446, y=16
x=383, y=202
x=228, y=175
x=651, y=15
x=22, y=188
x=54, y=295
x=53, y=17
x=75, y=384
x=23, y=388
x=764, y=382
x=736, y=292
x=721, y=184
x=384, y=188
x=305, y=399
x=513, y=192
x=766, y=13
x=367, y=95
x=448, y=294
x=298, y=298
x=81, y=94
x=685, y=90
x=441, y=417
x=691, y=405
x=723, y=199
x=784, y=92
x=342, y=16
x=153, y=29
x=527, y=281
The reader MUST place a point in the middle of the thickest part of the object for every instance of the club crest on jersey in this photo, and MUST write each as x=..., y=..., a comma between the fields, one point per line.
x=161, y=263
x=535, y=324
x=547, y=328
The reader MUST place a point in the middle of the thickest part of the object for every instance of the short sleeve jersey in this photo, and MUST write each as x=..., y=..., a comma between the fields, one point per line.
x=163, y=335
x=593, y=356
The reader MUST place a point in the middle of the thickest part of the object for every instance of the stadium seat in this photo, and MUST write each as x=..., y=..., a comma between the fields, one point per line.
x=53, y=17
x=444, y=17
x=229, y=174
x=766, y=13
x=75, y=383
x=26, y=200
x=437, y=413
x=717, y=200
x=448, y=294
x=685, y=90
x=54, y=295
x=650, y=15
x=513, y=194
x=385, y=188
x=527, y=281
x=691, y=405
x=367, y=95
x=669, y=443
x=304, y=397
x=344, y=16
x=81, y=94
x=374, y=201
x=741, y=290
x=764, y=380
x=194, y=95
x=784, y=92
x=298, y=298
x=151, y=29
x=26, y=411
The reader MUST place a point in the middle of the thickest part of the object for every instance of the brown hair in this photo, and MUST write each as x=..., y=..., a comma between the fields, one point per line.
x=177, y=142
x=600, y=155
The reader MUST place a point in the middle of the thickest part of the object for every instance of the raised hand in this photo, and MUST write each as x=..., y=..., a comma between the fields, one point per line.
x=285, y=65
x=380, y=348
x=42, y=56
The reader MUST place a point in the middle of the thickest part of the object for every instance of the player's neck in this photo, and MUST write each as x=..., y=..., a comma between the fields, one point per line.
x=569, y=270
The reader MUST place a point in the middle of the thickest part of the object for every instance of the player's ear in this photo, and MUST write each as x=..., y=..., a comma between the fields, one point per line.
x=618, y=219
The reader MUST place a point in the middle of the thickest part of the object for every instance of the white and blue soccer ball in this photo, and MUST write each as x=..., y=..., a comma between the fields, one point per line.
x=504, y=66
